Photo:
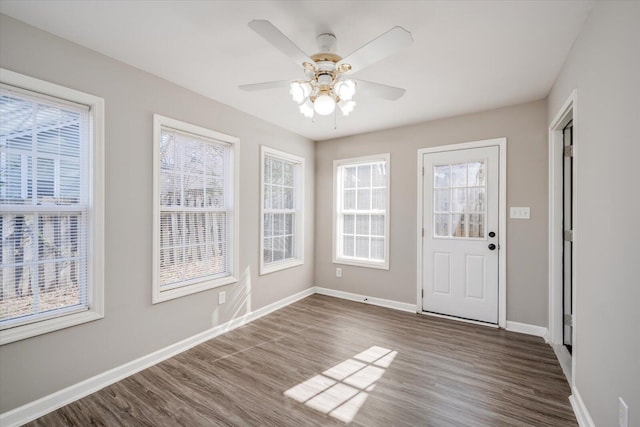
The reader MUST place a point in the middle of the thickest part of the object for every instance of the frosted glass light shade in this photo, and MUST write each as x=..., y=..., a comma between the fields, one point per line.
x=324, y=105
x=299, y=91
x=346, y=107
x=345, y=89
x=306, y=108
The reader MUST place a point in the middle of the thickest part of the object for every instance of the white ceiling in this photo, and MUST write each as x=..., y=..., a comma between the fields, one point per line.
x=467, y=56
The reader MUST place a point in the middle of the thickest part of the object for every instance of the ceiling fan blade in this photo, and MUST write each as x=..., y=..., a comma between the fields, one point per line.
x=378, y=48
x=270, y=33
x=390, y=93
x=265, y=85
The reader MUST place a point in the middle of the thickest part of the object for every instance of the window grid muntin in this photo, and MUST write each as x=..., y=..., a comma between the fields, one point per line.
x=355, y=212
x=59, y=136
x=465, y=213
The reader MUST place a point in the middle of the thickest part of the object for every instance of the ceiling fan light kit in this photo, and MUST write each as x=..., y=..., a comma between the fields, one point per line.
x=325, y=85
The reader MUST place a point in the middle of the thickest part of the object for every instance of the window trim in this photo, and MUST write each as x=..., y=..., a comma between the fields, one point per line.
x=337, y=191
x=95, y=215
x=206, y=283
x=299, y=196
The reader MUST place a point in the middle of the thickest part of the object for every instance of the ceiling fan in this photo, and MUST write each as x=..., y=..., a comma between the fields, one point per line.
x=326, y=82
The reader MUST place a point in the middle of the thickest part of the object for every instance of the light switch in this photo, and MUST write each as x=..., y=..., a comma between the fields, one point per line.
x=520, y=212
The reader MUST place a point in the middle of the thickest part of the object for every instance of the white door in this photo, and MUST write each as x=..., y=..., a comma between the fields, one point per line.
x=460, y=244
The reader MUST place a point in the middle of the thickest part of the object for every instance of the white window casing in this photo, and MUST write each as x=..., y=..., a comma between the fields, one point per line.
x=51, y=207
x=195, y=209
x=361, y=211
x=281, y=210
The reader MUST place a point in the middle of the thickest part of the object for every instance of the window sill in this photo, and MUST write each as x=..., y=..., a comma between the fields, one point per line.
x=359, y=263
x=277, y=266
x=38, y=328
x=169, y=294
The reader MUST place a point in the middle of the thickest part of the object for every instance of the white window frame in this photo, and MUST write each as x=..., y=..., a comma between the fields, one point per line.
x=298, y=210
x=95, y=216
x=338, y=258
x=232, y=174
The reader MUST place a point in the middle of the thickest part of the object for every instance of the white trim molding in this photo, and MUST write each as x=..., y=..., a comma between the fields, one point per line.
x=525, y=328
x=501, y=143
x=579, y=408
x=46, y=404
x=336, y=242
x=95, y=206
x=564, y=358
x=297, y=210
x=231, y=199
x=567, y=112
x=381, y=302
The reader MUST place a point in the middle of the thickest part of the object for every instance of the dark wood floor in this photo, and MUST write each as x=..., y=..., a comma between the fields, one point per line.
x=325, y=361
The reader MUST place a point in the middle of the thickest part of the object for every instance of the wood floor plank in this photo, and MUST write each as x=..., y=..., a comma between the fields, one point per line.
x=325, y=361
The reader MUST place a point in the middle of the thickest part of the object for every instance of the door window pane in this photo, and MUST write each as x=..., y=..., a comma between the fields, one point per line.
x=457, y=225
x=476, y=225
x=476, y=174
x=441, y=225
x=476, y=199
x=459, y=200
x=441, y=200
x=441, y=176
x=459, y=175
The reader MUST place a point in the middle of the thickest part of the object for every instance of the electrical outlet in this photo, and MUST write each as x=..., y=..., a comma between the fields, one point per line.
x=338, y=272
x=520, y=212
x=222, y=297
x=623, y=413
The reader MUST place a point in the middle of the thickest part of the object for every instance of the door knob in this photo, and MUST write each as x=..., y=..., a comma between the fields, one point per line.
x=492, y=246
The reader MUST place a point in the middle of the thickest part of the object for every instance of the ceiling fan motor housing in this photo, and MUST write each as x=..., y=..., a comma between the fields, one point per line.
x=326, y=42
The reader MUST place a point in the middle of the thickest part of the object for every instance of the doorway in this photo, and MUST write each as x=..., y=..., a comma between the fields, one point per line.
x=462, y=233
x=563, y=234
x=567, y=226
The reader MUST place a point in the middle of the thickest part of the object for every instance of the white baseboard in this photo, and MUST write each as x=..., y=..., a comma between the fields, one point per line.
x=582, y=415
x=564, y=358
x=403, y=306
x=46, y=404
x=525, y=328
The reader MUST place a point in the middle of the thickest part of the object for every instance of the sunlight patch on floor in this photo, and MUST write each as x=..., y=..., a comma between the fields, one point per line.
x=341, y=391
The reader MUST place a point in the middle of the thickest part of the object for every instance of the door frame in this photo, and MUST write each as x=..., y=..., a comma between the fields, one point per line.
x=501, y=143
x=567, y=112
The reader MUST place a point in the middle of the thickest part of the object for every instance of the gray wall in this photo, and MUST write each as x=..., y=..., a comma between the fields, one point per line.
x=132, y=327
x=604, y=67
x=525, y=128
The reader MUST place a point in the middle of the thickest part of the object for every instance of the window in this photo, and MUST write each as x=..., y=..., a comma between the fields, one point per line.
x=361, y=223
x=195, y=214
x=51, y=207
x=281, y=223
x=459, y=209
